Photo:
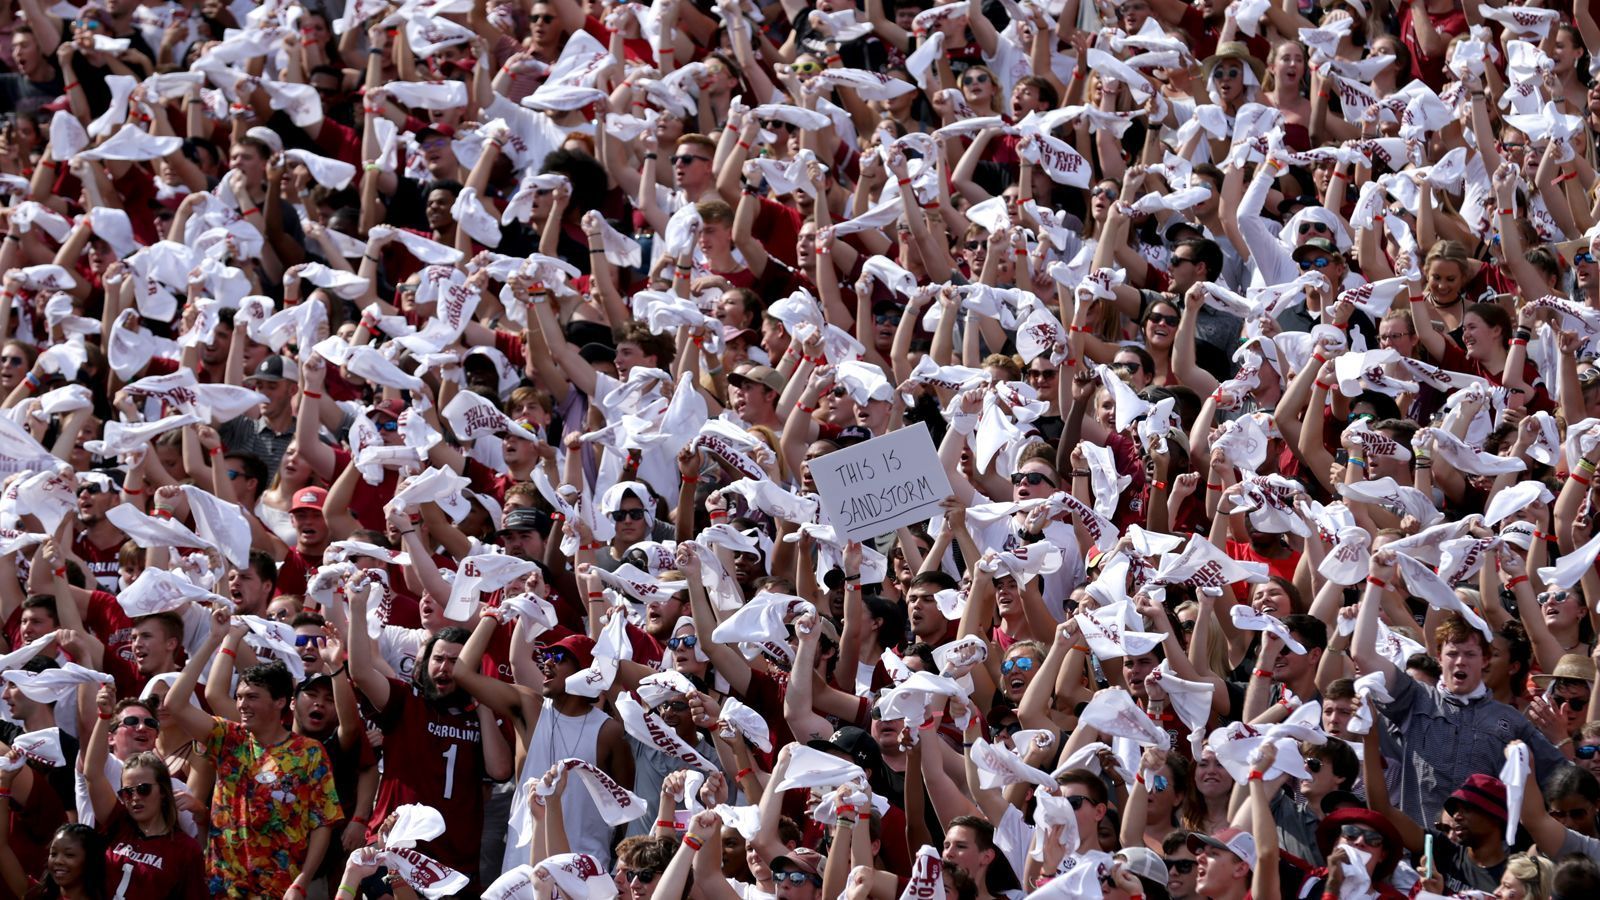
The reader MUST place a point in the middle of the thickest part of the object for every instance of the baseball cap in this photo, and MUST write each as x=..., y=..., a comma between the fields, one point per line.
x=1483, y=793
x=391, y=408
x=1239, y=843
x=266, y=136
x=850, y=435
x=314, y=681
x=1316, y=245
x=526, y=519
x=581, y=646
x=309, y=498
x=800, y=859
x=861, y=747
x=276, y=368
x=763, y=375
x=1144, y=863
x=598, y=353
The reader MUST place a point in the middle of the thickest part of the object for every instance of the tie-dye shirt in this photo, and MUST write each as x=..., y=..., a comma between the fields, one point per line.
x=266, y=803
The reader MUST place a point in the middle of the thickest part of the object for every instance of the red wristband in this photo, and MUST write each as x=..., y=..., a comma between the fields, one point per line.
x=1377, y=583
x=1261, y=673
x=742, y=773
x=216, y=451
x=312, y=394
x=228, y=652
x=1516, y=581
x=250, y=212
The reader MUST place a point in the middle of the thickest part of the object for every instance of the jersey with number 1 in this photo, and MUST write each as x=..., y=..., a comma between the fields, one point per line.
x=169, y=867
x=433, y=754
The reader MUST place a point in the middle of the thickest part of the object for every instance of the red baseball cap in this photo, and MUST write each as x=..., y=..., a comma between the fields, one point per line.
x=390, y=408
x=309, y=498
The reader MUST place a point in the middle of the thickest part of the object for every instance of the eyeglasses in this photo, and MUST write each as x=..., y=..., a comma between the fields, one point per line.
x=1032, y=478
x=545, y=19
x=1587, y=751
x=642, y=876
x=684, y=159
x=1126, y=368
x=679, y=643
x=143, y=789
x=1162, y=319
x=1077, y=801
x=1308, y=227
x=1313, y=764
x=1356, y=834
x=975, y=78
x=1180, y=866
x=1041, y=374
x=775, y=124
x=1319, y=262
x=809, y=67
x=1576, y=704
x=1396, y=336
x=1020, y=664
x=622, y=515
x=136, y=721
x=1108, y=193
x=1220, y=73
x=796, y=877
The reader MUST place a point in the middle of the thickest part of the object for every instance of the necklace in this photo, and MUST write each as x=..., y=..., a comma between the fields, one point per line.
x=1437, y=305
x=556, y=726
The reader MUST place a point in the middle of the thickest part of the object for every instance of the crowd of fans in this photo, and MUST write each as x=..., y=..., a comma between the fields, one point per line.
x=408, y=416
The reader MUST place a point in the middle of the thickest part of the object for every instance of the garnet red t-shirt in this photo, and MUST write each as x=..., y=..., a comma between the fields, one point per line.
x=167, y=867
x=367, y=504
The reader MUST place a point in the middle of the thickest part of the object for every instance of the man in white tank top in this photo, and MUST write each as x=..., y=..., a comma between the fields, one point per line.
x=569, y=726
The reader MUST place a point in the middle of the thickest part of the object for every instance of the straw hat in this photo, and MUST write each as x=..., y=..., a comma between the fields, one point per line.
x=1570, y=667
x=1238, y=51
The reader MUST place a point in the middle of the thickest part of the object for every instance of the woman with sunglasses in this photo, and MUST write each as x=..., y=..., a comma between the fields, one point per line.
x=148, y=856
x=1155, y=799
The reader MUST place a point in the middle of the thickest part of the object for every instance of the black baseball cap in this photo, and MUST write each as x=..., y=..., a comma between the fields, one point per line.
x=526, y=519
x=861, y=747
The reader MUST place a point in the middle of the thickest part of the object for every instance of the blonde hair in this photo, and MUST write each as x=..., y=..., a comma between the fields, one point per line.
x=1536, y=874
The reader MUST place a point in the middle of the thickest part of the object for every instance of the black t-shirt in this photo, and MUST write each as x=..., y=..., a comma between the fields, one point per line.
x=93, y=78
x=59, y=778
x=20, y=94
x=863, y=53
x=1458, y=870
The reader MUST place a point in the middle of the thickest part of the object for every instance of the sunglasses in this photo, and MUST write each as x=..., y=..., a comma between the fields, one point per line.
x=674, y=706
x=545, y=19
x=1041, y=374
x=1220, y=73
x=679, y=643
x=1513, y=147
x=314, y=640
x=1108, y=193
x=558, y=655
x=1020, y=664
x=1551, y=597
x=642, y=876
x=233, y=474
x=1320, y=262
x=1313, y=764
x=1576, y=704
x=388, y=425
x=796, y=878
x=975, y=78
x=887, y=319
x=974, y=245
x=136, y=721
x=1587, y=751
x=1032, y=478
x=775, y=124
x=1077, y=801
x=685, y=159
x=1125, y=368
x=1180, y=866
x=143, y=789
x=1356, y=834
x=623, y=515
x=807, y=68
x=91, y=24
x=1159, y=784
x=13, y=360
x=1308, y=227
x=1583, y=256
x=1183, y=259
x=1163, y=319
